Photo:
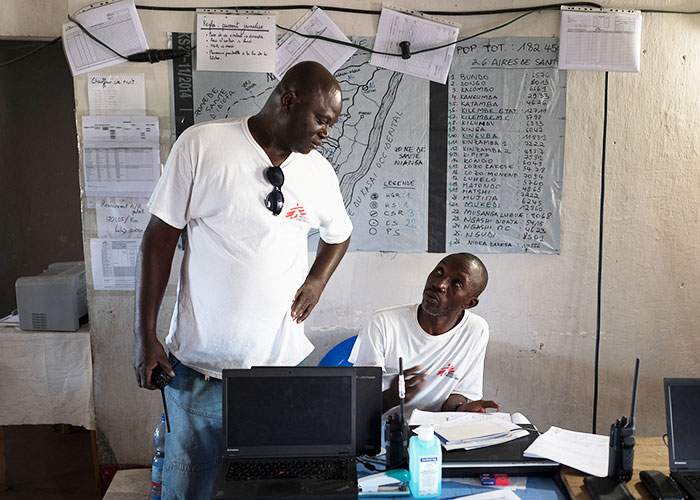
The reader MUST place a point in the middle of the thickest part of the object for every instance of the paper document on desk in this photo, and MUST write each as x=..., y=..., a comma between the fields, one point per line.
x=492, y=495
x=469, y=434
x=420, y=417
x=580, y=450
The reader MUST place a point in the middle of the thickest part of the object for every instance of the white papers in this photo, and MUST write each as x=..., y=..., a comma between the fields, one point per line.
x=121, y=217
x=235, y=42
x=113, y=263
x=117, y=94
x=395, y=27
x=293, y=49
x=420, y=417
x=478, y=430
x=600, y=39
x=492, y=495
x=116, y=24
x=580, y=450
x=121, y=154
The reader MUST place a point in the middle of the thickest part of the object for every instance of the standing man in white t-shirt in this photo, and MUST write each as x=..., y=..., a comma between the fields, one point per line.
x=248, y=191
x=442, y=342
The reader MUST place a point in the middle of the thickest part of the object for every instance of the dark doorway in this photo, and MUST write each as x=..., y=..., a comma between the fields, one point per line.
x=39, y=188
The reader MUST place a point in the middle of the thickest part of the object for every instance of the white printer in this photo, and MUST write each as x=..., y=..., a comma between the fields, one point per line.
x=54, y=300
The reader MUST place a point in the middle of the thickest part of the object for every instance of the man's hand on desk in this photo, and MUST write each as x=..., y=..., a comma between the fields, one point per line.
x=147, y=356
x=457, y=402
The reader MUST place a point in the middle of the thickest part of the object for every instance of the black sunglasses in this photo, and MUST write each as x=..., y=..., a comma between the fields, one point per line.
x=275, y=200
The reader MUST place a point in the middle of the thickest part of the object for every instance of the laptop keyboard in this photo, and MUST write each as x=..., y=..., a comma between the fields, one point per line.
x=261, y=469
x=694, y=480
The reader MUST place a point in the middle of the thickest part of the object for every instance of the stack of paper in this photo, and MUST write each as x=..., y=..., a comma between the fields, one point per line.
x=469, y=433
x=580, y=450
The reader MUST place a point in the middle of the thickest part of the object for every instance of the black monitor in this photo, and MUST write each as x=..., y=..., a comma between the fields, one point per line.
x=290, y=411
x=682, y=415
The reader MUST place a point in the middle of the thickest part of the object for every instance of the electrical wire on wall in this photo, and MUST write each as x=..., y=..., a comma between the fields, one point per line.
x=599, y=290
x=156, y=55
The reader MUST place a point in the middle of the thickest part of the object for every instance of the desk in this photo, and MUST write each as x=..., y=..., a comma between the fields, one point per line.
x=650, y=453
x=46, y=379
x=134, y=484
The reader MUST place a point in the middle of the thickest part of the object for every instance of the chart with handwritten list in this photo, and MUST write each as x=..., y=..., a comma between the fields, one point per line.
x=235, y=42
x=505, y=147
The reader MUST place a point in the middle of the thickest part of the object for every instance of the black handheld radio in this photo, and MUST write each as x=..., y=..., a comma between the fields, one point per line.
x=621, y=457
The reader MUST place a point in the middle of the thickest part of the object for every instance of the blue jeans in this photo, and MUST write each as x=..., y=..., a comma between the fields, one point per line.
x=195, y=445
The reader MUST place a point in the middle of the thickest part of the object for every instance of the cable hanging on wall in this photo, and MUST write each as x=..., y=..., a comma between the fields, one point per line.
x=156, y=55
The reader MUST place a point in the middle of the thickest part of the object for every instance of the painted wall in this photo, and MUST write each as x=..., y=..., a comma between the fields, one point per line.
x=541, y=309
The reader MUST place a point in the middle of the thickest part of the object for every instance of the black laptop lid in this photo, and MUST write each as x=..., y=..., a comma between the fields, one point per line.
x=297, y=411
x=682, y=416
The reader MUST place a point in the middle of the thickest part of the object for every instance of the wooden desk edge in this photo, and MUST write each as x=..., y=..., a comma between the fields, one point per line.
x=650, y=453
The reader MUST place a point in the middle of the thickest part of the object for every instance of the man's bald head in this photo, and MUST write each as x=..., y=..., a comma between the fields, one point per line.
x=477, y=269
x=299, y=113
x=307, y=77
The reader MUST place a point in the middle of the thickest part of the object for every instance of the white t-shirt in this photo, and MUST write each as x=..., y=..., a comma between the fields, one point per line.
x=453, y=361
x=242, y=265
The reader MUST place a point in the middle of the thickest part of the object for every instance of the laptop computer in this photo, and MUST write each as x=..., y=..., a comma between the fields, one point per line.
x=505, y=458
x=682, y=413
x=289, y=433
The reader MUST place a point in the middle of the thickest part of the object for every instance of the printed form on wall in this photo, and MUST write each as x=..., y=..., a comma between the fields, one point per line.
x=293, y=49
x=505, y=154
x=116, y=24
x=235, y=42
x=121, y=155
x=422, y=33
x=114, y=263
x=600, y=39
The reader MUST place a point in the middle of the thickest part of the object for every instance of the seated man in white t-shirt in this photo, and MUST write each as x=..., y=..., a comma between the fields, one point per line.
x=439, y=339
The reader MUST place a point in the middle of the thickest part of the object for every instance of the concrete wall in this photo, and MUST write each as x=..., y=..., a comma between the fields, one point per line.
x=541, y=309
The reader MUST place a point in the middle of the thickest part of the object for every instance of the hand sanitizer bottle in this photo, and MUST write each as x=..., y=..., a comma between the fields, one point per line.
x=425, y=464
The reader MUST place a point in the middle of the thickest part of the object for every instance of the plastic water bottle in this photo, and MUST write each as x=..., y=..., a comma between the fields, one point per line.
x=425, y=464
x=158, y=457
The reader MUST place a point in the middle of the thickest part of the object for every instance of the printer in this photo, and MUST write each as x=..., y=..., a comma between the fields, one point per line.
x=54, y=300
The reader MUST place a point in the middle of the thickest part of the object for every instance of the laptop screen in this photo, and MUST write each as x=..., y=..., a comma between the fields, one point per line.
x=276, y=410
x=682, y=413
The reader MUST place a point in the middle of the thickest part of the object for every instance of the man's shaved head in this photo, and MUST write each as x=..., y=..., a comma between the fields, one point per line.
x=477, y=269
x=299, y=113
x=307, y=77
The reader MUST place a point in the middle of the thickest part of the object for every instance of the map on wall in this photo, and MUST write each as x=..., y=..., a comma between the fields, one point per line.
x=403, y=148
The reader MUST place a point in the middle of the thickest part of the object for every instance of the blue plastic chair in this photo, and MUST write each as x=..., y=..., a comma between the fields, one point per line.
x=338, y=355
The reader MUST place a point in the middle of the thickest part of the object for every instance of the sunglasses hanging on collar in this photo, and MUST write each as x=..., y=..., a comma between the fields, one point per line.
x=274, y=201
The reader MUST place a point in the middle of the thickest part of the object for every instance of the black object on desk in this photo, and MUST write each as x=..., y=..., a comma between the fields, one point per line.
x=660, y=486
x=288, y=433
x=682, y=412
x=606, y=488
x=621, y=454
x=506, y=458
x=396, y=431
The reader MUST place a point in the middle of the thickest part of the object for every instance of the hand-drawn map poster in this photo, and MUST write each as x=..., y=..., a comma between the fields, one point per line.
x=401, y=146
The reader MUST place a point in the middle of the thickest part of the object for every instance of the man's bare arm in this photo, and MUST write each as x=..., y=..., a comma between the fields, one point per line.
x=457, y=402
x=327, y=259
x=152, y=272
